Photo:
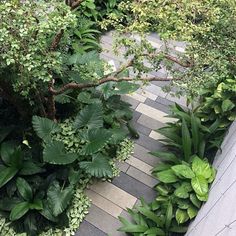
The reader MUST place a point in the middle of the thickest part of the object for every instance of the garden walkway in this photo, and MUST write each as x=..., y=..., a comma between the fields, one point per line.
x=110, y=200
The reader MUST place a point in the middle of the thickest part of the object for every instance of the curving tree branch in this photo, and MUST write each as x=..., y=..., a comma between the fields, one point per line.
x=105, y=80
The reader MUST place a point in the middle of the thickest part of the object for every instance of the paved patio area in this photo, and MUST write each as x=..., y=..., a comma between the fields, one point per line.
x=110, y=200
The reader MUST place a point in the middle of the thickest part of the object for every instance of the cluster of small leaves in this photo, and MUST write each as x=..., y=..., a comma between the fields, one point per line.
x=125, y=149
x=69, y=136
x=25, y=41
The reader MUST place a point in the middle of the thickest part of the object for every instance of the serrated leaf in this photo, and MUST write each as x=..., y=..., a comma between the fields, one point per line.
x=55, y=153
x=99, y=167
x=58, y=198
x=44, y=127
x=96, y=140
x=90, y=117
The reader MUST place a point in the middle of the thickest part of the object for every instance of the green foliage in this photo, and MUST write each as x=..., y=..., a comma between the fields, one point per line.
x=219, y=103
x=190, y=135
x=99, y=166
x=183, y=177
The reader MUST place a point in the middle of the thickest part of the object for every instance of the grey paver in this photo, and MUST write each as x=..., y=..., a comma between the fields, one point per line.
x=104, y=221
x=130, y=100
x=141, y=153
x=149, y=143
x=123, y=166
x=87, y=229
x=136, y=115
x=150, y=122
x=142, y=129
x=134, y=187
x=164, y=101
x=142, y=177
x=157, y=105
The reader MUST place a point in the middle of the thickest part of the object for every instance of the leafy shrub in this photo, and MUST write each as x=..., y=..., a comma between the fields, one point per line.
x=184, y=177
x=219, y=103
x=189, y=135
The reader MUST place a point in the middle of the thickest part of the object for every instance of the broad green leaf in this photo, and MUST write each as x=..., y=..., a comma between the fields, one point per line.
x=227, y=105
x=58, y=198
x=213, y=175
x=133, y=228
x=96, y=140
x=201, y=167
x=44, y=127
x=90, y=117
x=167, y=176
x=24, y=189
x=166, y=156
x=186, y=141
x=202, y=146
x=202, y=198
x=160, y=167
x=7, y=174
x=7, y=150
x=118, y=134
x=11, y=155
x=150, y=215
x=169, y=215
x=178, y=229
x=155, y=231
x=19, y=210
x=162, y=190
x=37, y=204
x=170, y=133
x=55, y=153
x=200, y=185
x=183, y=203
x=30, y=168
x=47, y=212
x=181, y=216
x=183, y=171
x=4, y=132
x=7, y=204
x=99, y=166
x=183, y=190
x=195, y=131
x=195, y=200
x=192, y=212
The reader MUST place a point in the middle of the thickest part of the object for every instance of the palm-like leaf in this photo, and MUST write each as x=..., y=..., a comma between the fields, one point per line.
x=55, y=153
x=59, y=199
x=91, y=117
x=44, y=127
x=99, y=166
x=96, y=140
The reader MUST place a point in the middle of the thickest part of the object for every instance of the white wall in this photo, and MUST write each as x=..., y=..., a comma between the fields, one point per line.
x=218, y=215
